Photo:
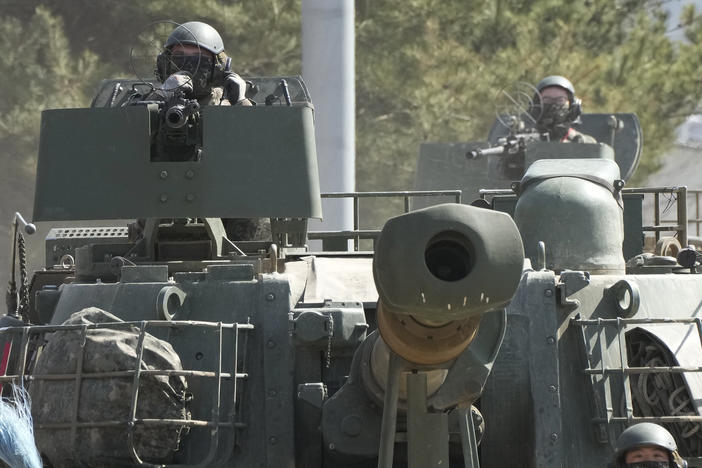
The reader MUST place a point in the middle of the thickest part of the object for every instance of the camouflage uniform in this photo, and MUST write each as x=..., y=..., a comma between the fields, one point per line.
x=217, y=98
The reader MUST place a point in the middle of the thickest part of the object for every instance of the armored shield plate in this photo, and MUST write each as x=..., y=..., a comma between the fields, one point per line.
x=256, y=162
x=620, y=131
x=444, y=166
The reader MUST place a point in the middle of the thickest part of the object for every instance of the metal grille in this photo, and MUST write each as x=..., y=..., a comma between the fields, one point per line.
x=636, y=379
x=112, y=231
x=27, y=342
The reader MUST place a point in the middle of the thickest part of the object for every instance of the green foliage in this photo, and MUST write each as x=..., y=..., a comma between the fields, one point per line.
x=441, y=63
x=56, y=53
x=39, y=71
x=427, y=70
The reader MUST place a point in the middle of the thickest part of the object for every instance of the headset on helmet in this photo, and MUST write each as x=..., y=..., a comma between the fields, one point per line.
x=575, y=104
x=647, y=434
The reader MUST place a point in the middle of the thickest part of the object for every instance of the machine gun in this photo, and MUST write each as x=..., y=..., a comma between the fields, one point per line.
x=178, y=133
x=514, y=143
x=176, y=130
x=510, y=152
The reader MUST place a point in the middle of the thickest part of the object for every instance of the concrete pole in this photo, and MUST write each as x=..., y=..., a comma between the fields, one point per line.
x=328, y=69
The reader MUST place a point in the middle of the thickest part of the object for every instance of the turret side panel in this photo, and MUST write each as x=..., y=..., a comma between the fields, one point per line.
x=255, y=162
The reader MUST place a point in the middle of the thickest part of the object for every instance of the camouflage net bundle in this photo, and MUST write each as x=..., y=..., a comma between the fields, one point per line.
x=106, y=398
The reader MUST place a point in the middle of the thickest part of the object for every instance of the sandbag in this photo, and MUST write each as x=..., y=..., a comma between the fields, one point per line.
x=107, y=398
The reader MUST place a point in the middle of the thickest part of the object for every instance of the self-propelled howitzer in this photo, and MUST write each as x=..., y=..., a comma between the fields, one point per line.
x=604, y=329
x=175, y=341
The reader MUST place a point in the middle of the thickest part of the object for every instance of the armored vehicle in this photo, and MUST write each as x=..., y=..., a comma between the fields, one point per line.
x=176, y=341
x=461, y=338
x=604, y=329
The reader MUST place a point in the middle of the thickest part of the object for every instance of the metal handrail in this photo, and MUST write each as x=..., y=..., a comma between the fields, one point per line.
x=697, y=220
x=679, y=225
x=356, y=234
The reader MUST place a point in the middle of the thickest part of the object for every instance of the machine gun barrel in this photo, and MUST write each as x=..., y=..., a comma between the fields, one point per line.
x=177, y=115
x=476, y=153
x=437, y=271
x=508, y=145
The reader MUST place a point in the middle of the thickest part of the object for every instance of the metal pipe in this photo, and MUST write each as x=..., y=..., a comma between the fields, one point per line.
x=657, y=213
x=328, y=65
x=399, y=193
x=697, y=211
x=389, y=422
x=469, y=444
x=682, y=215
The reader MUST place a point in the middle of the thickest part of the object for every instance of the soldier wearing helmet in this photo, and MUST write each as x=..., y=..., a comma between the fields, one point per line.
x=194, y=55
x=647, y=445
x=556, y=108
x=193, y=61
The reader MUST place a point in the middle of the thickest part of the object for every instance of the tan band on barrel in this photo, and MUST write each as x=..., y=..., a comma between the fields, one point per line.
x=423, y=344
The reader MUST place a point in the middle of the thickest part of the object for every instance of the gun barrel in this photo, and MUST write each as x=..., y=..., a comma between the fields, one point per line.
x=176, y=116
x=476, y=153
x=437, y=271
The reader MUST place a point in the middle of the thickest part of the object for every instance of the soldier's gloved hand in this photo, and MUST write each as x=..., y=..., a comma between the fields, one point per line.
x=179, y=80
x=235, y=87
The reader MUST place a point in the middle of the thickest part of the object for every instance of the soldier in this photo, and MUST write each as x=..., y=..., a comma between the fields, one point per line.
x=197, y=48
x=647, y=445
x=193, y=60
x=556, y=108
x=194, y=54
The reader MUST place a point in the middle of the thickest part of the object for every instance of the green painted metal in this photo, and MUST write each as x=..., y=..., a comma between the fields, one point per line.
x=489, y=241
x=256, y=162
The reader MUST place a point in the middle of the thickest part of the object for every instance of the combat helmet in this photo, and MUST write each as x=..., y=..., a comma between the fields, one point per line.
x=205, y=69
x=548, y=117
x=557, y=80
x=196, y=33
x=647, y=434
